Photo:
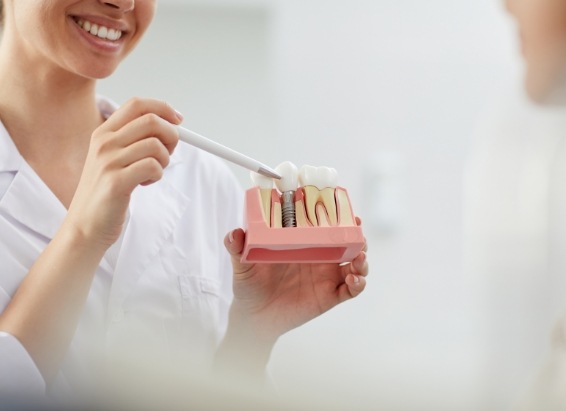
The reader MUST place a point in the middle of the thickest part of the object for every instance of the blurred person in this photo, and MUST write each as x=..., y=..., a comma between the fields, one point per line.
x=523, y=216
x=111, y=233
x=542, y=30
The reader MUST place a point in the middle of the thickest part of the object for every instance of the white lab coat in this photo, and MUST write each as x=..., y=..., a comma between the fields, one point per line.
x=162, y=292
x=516, y=236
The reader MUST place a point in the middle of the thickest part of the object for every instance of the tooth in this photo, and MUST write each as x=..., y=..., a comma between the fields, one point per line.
x=81, y=23
x=265, y=185
x=288, y=185
x=94, y=30
x=102, y=32
x=118, y=35
x=319, y=185
x=111, y=34
x=87, y=26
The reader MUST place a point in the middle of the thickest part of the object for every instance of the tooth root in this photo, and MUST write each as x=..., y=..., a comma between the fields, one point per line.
x=276, y=211
x=265, y=195
x=311, y=199
x=329, y=200
x=300, y=211
x=345, y=213
x=322, y=215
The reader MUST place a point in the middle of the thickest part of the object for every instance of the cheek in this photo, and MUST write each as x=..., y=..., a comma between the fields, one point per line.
x=544, y=30
x=145, y=12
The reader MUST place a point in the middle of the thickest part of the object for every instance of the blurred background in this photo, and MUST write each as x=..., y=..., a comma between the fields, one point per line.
x=418, y=105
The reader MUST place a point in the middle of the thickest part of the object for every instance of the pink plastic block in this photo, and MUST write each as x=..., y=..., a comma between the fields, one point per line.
x=299, y=244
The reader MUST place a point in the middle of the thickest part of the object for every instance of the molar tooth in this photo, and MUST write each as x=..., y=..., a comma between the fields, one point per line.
x=265, y=185
x=319, y=187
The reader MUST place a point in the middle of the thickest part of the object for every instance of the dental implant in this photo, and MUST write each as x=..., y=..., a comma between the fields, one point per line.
x=288, y=186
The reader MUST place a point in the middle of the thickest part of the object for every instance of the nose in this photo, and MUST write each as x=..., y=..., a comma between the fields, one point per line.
x=123, y=5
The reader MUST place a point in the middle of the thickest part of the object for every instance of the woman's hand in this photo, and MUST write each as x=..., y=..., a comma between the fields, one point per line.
x=131, y=148
x=272, y=299
x=281, y=297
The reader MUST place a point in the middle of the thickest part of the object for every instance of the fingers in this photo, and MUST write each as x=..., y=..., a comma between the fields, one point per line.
x=354, y=275
x=149, y=125
x=360, y=265
x=356, y=285
x=234, y=243
x=136, y=143
x=148, y=148
x=136, y=108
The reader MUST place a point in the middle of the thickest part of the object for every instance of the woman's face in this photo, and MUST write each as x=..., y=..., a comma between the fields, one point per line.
x=542, y=25
x=86, y=37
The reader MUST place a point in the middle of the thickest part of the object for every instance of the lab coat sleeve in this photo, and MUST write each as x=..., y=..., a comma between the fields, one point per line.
x=19, y=376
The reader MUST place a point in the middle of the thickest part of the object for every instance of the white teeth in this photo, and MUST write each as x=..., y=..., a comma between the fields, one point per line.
x=320, y=177
x=111, y=34
x=102, y=32
x=261, y=181
x=289, y=177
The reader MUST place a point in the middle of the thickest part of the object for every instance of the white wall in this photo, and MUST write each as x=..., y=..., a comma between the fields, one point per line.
x=340, y=83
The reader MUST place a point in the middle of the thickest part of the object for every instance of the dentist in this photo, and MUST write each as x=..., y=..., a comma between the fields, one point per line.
x=542, y=28
x=111, y=232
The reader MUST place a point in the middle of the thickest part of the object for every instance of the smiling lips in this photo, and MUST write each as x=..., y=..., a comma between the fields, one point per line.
x=99, y=31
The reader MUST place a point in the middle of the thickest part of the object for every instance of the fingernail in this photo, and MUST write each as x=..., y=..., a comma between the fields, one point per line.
x=356, y=279
x=179, y=116
x=231, y=237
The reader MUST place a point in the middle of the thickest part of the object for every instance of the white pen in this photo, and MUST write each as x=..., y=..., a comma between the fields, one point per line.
x=194, y=139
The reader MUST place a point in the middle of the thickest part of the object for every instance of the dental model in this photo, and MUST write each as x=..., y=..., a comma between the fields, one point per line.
x=313, y=223
x=288, y=186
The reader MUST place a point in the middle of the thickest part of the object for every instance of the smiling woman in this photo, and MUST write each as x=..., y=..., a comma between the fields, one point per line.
x=127, y=260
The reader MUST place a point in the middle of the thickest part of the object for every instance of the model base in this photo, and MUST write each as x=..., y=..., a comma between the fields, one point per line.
x=264, y=244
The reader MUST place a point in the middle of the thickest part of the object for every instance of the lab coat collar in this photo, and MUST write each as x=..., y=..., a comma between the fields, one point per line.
x=28, y=200
x=10, y=158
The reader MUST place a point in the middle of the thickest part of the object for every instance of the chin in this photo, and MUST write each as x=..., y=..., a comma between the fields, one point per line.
x=95, y=73
x=545, y=90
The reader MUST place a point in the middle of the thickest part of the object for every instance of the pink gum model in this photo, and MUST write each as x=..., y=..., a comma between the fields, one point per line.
x=338, y=244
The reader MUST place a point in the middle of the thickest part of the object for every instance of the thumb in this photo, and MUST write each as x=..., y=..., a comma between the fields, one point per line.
x=234, y=243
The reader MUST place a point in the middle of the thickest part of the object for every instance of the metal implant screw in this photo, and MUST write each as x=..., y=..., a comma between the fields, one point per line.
x=288, y=209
